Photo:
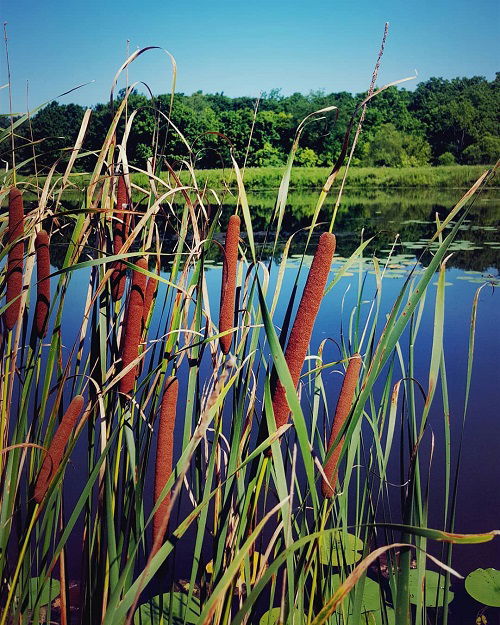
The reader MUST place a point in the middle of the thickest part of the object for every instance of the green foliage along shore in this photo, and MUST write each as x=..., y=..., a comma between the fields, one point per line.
x=313, y=178
x=441, y=122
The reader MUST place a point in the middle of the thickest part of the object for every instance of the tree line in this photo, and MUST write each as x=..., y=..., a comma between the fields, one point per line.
x=441, y=122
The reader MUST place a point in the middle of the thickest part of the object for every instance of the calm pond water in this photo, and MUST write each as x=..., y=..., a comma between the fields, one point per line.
x=402, y=221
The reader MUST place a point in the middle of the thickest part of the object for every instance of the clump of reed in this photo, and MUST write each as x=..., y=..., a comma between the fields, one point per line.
x=43, y=283
x=15, y=260
x=228, y=287
x=164, y=455
x=301, y=332
x=229, y=491
x=133, y=326
x=56, y=449
x=120, y=233
x=342, y=410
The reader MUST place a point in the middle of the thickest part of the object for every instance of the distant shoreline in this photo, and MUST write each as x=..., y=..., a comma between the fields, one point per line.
x=313, y=178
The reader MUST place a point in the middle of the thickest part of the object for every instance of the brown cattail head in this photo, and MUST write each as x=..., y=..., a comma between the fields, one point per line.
x=131, y=339
x=55, y=452
x=138, y=288
x=164, y=454
x=133, y=326
x=151, y=289
x=344, y=405
x=120, y=233
x=228, y=288
x=43, y=283
x=15, y=257
x=300, y=334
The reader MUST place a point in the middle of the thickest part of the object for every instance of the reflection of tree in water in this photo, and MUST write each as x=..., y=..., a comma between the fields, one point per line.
x=408, y=215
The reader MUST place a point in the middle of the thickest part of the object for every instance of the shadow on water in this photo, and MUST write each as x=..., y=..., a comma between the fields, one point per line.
x=403, y=218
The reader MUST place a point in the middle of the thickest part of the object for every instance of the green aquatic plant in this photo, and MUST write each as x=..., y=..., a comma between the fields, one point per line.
x=242, y=452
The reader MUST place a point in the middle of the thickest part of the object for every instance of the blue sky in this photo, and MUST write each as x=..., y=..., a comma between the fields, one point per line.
x=242, y=48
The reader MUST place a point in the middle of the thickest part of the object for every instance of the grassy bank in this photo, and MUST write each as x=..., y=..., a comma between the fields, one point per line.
x=313, y=178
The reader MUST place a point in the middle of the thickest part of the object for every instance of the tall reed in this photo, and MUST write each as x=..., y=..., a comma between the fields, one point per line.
x=120, y=233
x=228, y=287
x=344, y=405
x=55, y=452
x=164, y=454
x=15, y=258
x=300, y=334
x=133, y=326
x=43, y=283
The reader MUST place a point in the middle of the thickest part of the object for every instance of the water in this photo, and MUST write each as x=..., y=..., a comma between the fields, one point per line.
x=402, y=223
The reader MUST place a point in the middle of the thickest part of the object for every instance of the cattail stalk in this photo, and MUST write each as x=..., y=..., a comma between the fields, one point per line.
x=344, y=405
x=120, y=233
x=55, y=452
x=15, y=257
x=228, y=287
x=301, y=332
x=43, y=283
x=133, y=326
x=164, y=455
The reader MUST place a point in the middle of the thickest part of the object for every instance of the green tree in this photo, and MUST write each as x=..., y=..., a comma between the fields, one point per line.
x=485, y=152
x=393, y=148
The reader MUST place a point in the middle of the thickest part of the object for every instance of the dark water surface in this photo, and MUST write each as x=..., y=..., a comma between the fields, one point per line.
x=405, y=219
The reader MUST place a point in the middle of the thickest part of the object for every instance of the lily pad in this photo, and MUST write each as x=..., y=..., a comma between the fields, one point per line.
x=271, y=617
x=337, y=549
x=48, y=593
x=371, y=594
x=173, y=608
x=484, y=586
x=376, y=617
x=433, y=581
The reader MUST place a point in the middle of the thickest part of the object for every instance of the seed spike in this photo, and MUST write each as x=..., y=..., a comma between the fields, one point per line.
x=344, y=405
x=55, y=452
x=301, y=332
x=43, y=283
x=164, y=454
x=133, y=326
x=228, y=287
x=120, y=233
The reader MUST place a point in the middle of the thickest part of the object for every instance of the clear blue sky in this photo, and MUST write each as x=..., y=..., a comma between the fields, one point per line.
x=242, y=48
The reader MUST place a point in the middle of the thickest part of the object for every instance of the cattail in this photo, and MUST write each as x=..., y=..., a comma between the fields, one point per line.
x=120, y=233
x=228, y=288
x=43, y=283
x=133, y=326
x=138, y=289
x=302, y=328
x=344, y=405
x=15, y=257
x=55, y=452
x=164, y=454
x=151, y=288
